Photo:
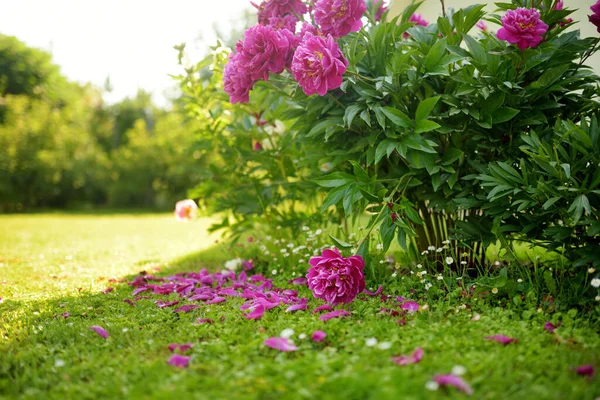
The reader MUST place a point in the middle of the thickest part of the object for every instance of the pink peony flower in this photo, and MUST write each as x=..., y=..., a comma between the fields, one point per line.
x=334, y=278
x=420, y=21
x=186, y=210
x=558, y=6
x=522, y=27
x=236, y=82
x=308, y=27
x=288, y=22
x=595, y=17
x=318, y=64
x=380, y=9
x=339, y=17
x=279, y=8
x=265, y=50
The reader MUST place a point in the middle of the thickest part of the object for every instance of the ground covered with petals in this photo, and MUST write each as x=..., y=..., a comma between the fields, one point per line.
x=139, y=306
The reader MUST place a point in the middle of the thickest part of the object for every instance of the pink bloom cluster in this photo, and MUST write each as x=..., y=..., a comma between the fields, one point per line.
x=334, y=278
x=522, y=27
x=318, y=64
x=273, y=46
x=595, y=17
x=339, y=17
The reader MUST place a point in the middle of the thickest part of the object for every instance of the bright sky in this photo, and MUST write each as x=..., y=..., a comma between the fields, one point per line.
x=129, y=40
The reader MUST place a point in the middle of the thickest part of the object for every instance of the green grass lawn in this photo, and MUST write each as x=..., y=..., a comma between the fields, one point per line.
x=56, y=263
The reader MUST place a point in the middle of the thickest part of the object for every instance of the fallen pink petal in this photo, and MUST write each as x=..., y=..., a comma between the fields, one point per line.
x=100, y=331
x=324, y=307
x=334, y=314
x=281, y=344
x=65, y=314
x=297, y=307
x=298, y=281
x=163, y=304
x=586, y=370
x=410, y=305
x=453, y=380
x=375, y=293
x=318, y=336
x=256, y=313
x=550, y=327
x=108, y=290
x=179, y=361
x=216, y=300
x=414, y=358
x=181, y=347
x=501, y=339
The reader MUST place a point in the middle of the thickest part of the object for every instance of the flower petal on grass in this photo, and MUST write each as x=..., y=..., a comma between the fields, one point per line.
x=334, y=314
x=410, y=305
x=200, y=321
x=281, y=344
x=586, y=370
x=108, y=290
x=187, y=308
x=65, y=314
x=179, y=361
x=216, y=300
x=163, y=304
x=180, y=347
x=297, y=307
x=140, y=290
x=324, y=307
x=501, y=339
x=375, y=293
x=131, y=303
x=100, y=331
x=318, y=336
x=550, y=327
x=256, y=313
x=453, y=380
x=414, y=358
x=298, y=281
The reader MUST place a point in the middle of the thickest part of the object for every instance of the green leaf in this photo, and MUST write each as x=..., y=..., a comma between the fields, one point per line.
x=579, y=205
x=335, y=179
x=450, y=155
x=425, y=107
x=397, y=117
x=320, y=127
x=426, y=125
x=503, y=114
x=550, y=201
x=340, y=243
x=350, y=113
x=384, y=147
x=477, y=51
x=435, y=54
x=550, y=76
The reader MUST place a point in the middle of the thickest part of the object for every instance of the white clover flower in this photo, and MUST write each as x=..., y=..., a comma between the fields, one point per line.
x=439, y=250
x=424, y=252
x=463, y=263
x=419, y=265
x=458, y=370
x=597, y=298
x=591, y=270
x=496, y=263
x=287, y=333
x=449, y=260
x=302, y=336
x=384, y=345
x=446, y=242
x=233, y=265
x=495, y=290
x=520, y=280
x=379, y=246
x=428, y=286
x=318, y=232
x=301, y=261
x=394, y=275
x=431, y=385
x=59, y=363
x=370, y=342
x=305, y=228
x=290, y=245
x=440, y=277
x=596, y=282
x=283, y=251
x=263, y=247
x=274, y=272
x=431, y=248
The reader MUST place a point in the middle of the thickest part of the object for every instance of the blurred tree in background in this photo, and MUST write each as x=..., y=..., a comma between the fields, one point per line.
x=62, y=146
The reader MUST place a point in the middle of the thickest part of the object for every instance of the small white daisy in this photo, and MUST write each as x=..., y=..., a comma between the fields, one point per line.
x=384, y=345
x=274, y=272
x=419, y=265
x=302, y=336
x=370, y=342
x=440, y=249
x=287, y=333
x=591, y=270
x=596, y=282
x=458, y=370
x=449, y=260
x=431, y=248
x=520, y=280
x=431, y=385
x=379, y=246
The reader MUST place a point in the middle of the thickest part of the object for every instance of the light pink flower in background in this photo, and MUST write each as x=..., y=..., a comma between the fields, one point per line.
x=420, y=21
x=186, y=210
x=288, y=22
x=522, y=27
x=380, y=8
x=307, y=27
x=334, y=278
x=453, y=380
x=280, y=343
x=339, y=17
x=482, y=26
x=586, y=370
